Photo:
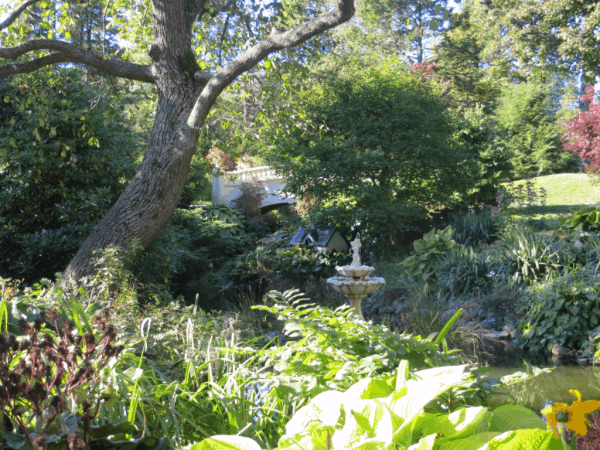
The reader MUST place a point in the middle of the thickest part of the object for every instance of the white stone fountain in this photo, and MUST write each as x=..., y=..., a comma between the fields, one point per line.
x=354, y=282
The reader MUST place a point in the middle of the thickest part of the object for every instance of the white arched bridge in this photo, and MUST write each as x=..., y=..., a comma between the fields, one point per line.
x=226, y=188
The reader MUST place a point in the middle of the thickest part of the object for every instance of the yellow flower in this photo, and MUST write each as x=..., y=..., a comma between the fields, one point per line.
x=297, y=247
x=572, y=416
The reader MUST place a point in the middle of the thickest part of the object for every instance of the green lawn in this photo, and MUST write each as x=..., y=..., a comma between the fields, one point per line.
x=565, y=192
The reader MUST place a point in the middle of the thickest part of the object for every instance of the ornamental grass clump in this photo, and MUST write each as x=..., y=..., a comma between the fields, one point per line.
x=49, y=381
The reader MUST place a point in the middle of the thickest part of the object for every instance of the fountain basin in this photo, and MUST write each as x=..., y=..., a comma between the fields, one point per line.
x=356, y=289
x=355, y=272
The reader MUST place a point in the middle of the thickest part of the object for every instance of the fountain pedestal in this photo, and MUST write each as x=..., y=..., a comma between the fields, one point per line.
x=354, y=281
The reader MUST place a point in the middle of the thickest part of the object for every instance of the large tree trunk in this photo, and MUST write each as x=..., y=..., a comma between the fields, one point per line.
x=185, y=97
x=151, y=197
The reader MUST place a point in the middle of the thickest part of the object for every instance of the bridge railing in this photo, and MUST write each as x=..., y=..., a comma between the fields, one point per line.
x=226, y=187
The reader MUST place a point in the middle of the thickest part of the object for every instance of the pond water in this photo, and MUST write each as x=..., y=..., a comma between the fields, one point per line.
x=553, y=386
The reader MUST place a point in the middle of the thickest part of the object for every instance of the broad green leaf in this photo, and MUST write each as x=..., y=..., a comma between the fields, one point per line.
x=474, y=442
x=365, y=419
x=15, y=440
x=514, y=417
x=524, y=440
x=402, y=374
x=369, y=388
x=461, y=423
x=433, y=383
x=425, y=443
x=324, y=408
x=224, y=442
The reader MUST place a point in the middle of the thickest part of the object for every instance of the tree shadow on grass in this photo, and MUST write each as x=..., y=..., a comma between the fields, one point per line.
x=554, y=211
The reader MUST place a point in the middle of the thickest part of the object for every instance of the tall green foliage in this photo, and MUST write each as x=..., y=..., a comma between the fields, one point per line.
x=476, y=133
x=62, y=165
x=525, y=122
x=378, y=153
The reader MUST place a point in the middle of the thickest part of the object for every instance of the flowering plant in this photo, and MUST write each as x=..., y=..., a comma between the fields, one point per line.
x=47, y=381
x=562, y=417
x=218, y=159
x=244, y=162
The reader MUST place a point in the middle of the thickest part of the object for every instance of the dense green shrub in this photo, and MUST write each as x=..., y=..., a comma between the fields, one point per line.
x=561, y=310
x=274, y=259
x=475, y=131
x=587, y=219
x=335, y=348
x=64, y=160
x=475, y=228
x=189, y=253
x=198, y=187
x=378, y=154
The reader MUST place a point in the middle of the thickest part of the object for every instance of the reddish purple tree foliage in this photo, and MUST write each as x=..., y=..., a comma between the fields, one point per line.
x=582, y=135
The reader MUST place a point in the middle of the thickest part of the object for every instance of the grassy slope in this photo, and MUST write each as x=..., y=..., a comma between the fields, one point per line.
x=565, y=192
x=569, y=189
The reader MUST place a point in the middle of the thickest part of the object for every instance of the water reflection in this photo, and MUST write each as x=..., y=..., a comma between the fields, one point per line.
x=553, y=386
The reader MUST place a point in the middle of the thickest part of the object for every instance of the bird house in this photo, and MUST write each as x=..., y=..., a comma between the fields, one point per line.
x=323, y=239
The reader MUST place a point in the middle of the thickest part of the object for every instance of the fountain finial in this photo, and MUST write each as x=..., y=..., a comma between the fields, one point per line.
x=355, y=244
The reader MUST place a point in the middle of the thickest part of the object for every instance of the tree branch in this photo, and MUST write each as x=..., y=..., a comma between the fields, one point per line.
x=32, y=66
x=216, y=11
x=16, y=13
x=275, y=41
x=74, y=54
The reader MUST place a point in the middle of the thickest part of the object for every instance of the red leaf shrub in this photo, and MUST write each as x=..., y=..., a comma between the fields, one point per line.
x=582, y=135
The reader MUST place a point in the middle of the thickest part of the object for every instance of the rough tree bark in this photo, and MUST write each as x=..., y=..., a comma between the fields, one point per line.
x=185, y=97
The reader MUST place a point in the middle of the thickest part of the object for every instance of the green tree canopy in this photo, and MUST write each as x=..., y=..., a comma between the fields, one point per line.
x=371, y=147
x=62, y=166
x=525, y=117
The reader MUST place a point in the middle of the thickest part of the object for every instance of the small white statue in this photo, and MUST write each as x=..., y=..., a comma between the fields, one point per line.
x=355, y=244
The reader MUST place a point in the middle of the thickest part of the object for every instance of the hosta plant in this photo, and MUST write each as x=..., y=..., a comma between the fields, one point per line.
x=561, y=311
x=587, y=219
x=421, y=264
x=392, y=414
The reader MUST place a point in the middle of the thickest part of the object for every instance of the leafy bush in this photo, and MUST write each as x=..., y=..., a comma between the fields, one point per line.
x=198, y=186
x=587, y=219
x=561, y=310
x=474, y=228
x=334, y=347
x=581, y=247
x=378, y=155
x=189, y=253
x=393, y=412
x=420, y=266
x=581, y=132
x=476, y=132
x=62, y=165
x=274, y=259
x=223, y=213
